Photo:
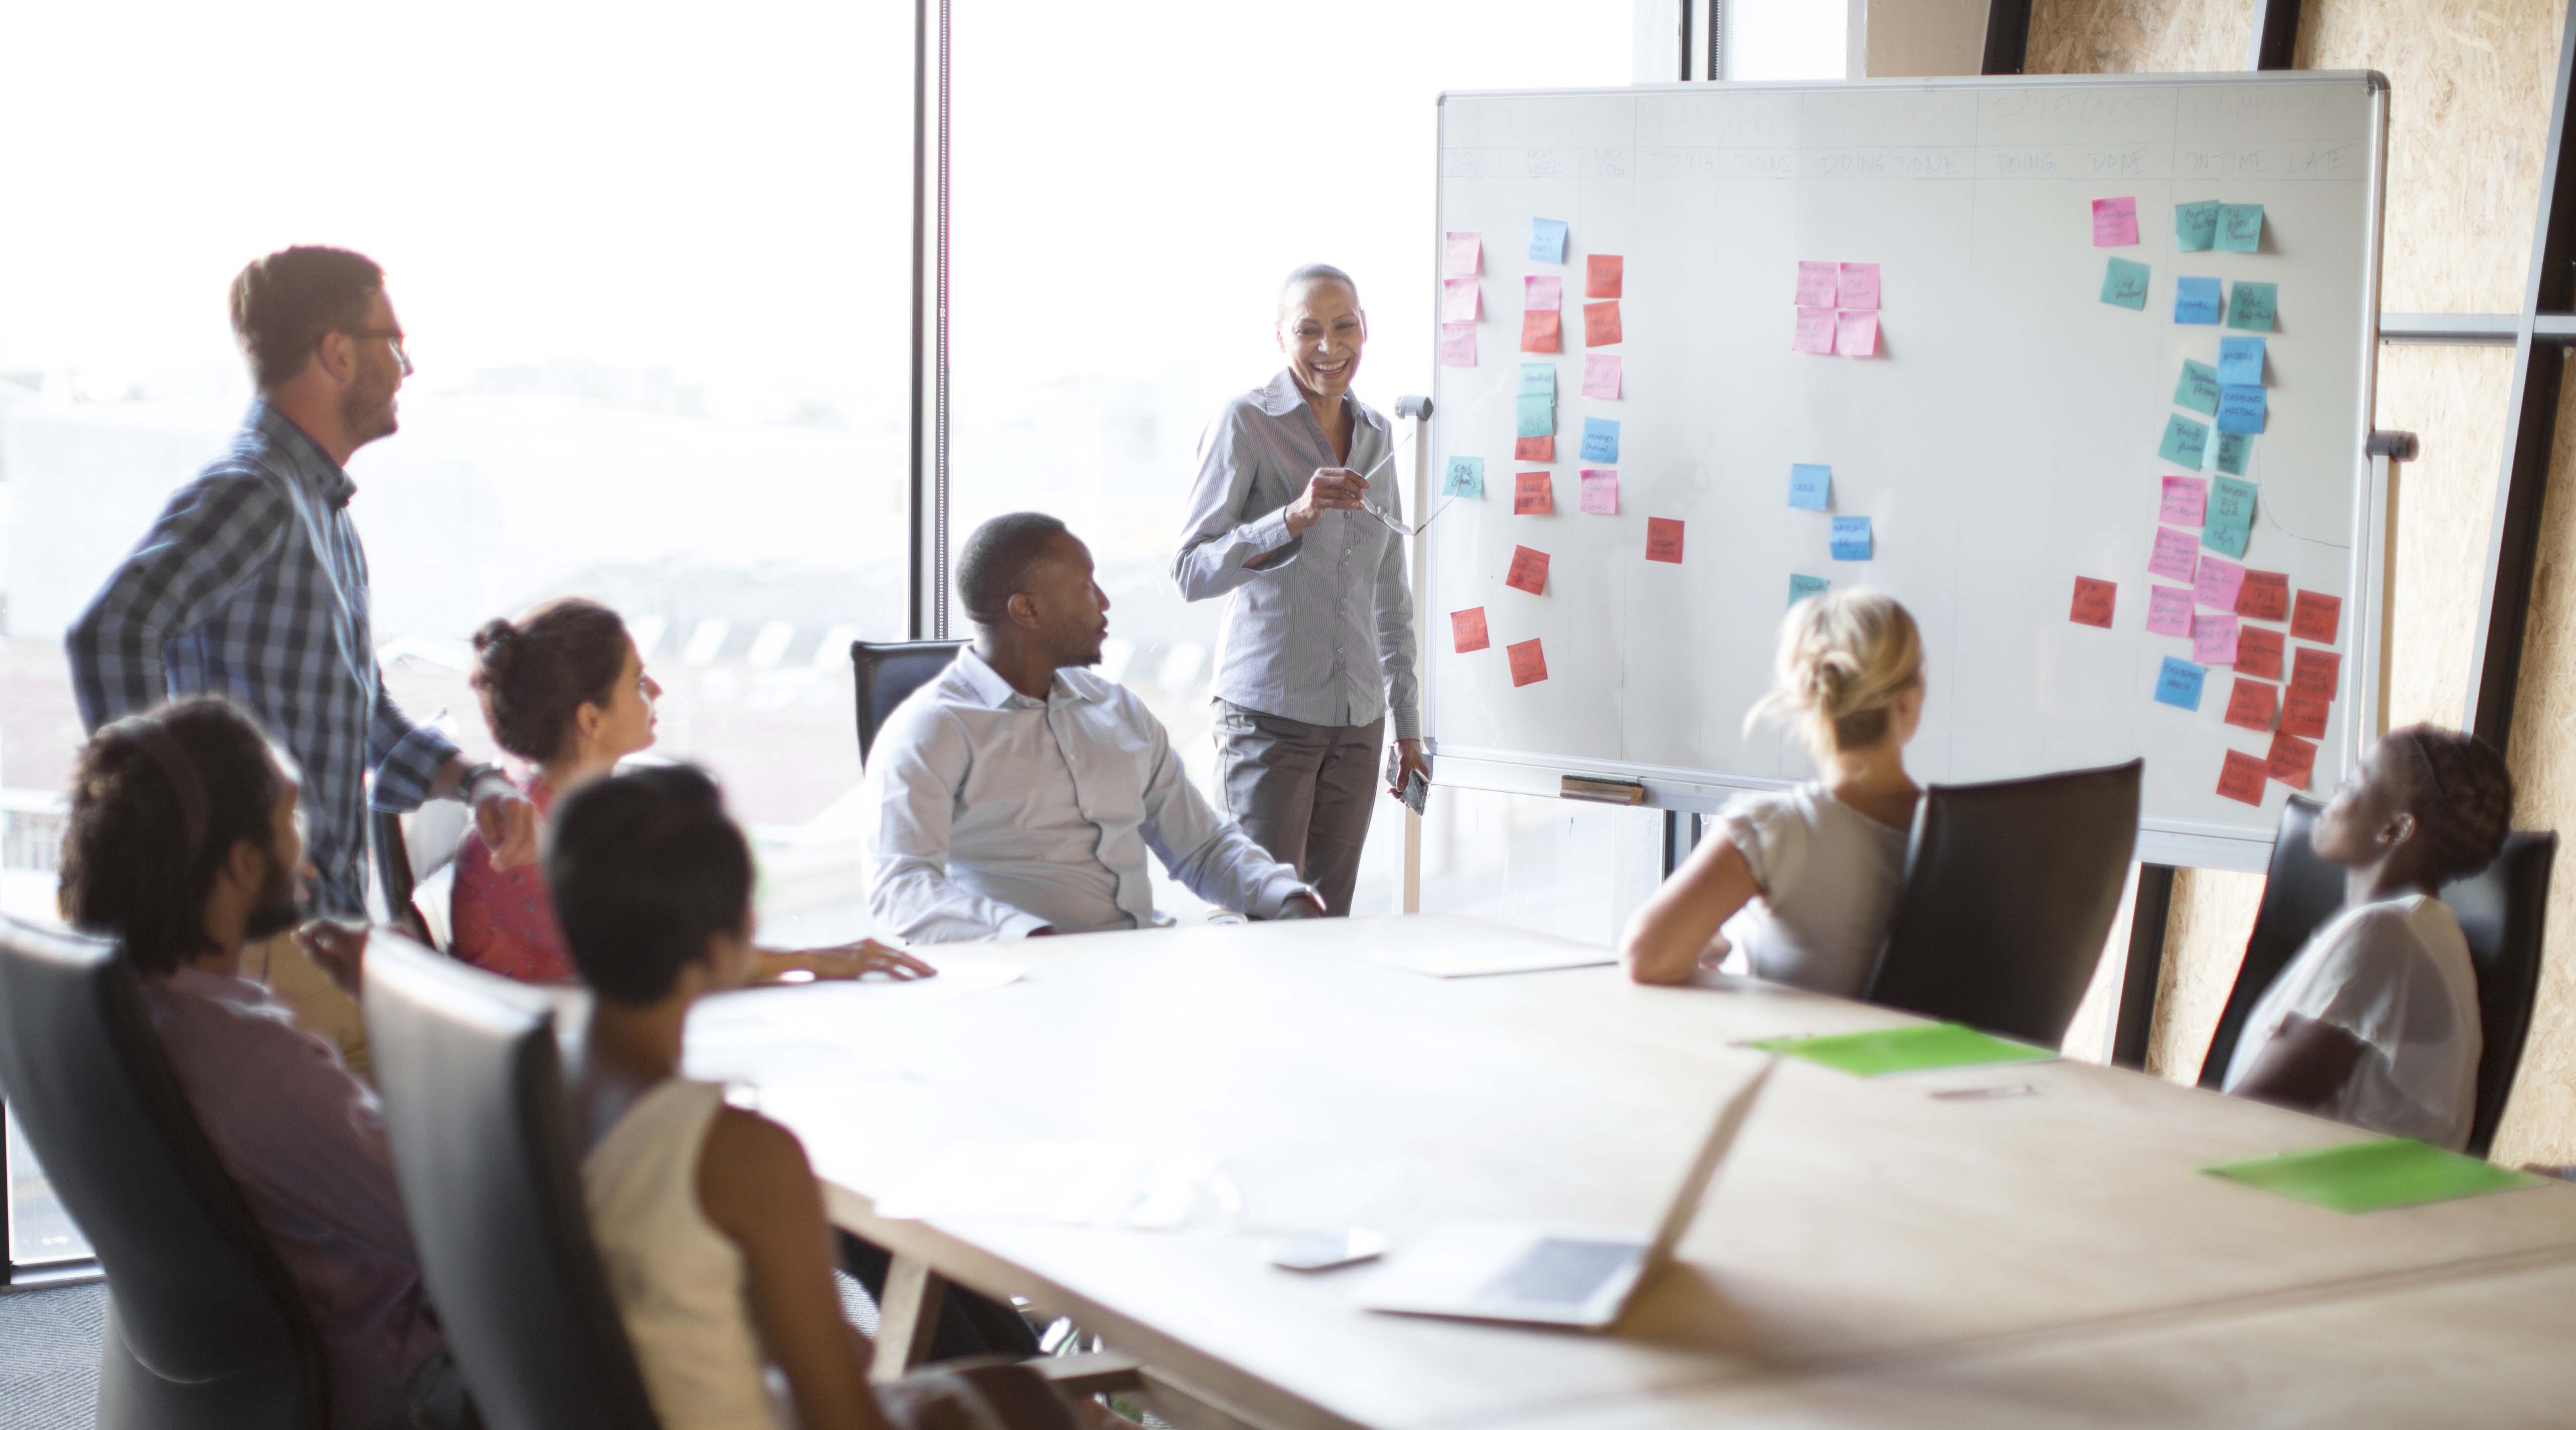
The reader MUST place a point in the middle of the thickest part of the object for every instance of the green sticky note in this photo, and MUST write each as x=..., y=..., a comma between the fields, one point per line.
x=2240, y=227
x=2195, y=226
x=1537, y=378
x=2373, y=1176
x=2124, y=284
x=1896, y=1050
x=2198, y=389
x=2185, y=443
x=2255, y=306
x=2231, y=452
x=1801, y=587
x=2229, y=521
x=1538, y=416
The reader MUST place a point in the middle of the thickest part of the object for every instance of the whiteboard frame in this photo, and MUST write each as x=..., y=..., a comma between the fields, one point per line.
x=2180, y=843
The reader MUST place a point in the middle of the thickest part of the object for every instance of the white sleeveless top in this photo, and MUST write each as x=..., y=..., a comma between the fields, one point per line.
x=680, y=1284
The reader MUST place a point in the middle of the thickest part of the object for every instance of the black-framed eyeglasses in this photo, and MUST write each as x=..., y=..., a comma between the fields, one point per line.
x=391, y=335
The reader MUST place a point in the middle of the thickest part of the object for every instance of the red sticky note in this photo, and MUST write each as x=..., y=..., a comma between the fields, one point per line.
x=2265, y=595
x=2115, y=223
x=2253, y=703
x=2258, y=652
x=2218, y=582
x=1467, y=627
x=2176, y=554
x=1457, y=345
x=2213, y=640
x=1534, y=449
x=2304, y=715
x=1529, y=572
x=2293, y=761
x=2316, y=617
x=2186, y=501
x=1529, y=663
x=2240, y=778
x=1816, y=283
x=2093, y=602
x=1543, y=291
x=2168, y=611
x=1815, y=333
x=1601, y=324
x=1602, y=274
x=1540, y=331
x=1663, y=539
x=1856, y=334
x=1532, y=494
x=2315, y=672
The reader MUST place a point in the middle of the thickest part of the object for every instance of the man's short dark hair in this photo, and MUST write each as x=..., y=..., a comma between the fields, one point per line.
x=997, y=557
x=158, y=803
x=645, y=867
x=284, y=303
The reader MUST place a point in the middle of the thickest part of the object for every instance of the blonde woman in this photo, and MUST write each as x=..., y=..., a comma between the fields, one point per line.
x=1803, y=880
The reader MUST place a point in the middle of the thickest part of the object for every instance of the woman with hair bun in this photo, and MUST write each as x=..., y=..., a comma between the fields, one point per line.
x=1804, y=880
x=564, y=689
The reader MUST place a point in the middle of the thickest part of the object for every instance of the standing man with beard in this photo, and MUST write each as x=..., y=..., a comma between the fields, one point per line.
x=1316, y=652
x=252, y=585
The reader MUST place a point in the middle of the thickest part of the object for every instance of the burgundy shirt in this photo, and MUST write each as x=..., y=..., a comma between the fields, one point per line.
x=504, y=919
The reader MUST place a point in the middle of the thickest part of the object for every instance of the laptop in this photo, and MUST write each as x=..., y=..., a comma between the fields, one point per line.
x=1552, y=1276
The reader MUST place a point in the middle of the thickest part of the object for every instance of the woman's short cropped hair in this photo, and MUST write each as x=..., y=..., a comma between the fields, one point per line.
x=1845, y=658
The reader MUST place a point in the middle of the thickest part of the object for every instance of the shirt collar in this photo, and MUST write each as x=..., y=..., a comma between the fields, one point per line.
x=998, y=694
x=1283, y=396
x=302, y=455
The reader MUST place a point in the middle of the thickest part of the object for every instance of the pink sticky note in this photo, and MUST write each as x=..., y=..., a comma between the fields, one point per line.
x=1600, y=492
x=1462, y=300
x=2186, y=501
x=1462, y=254
x=1856, y=286
x=1600, y=376
x=1816, y=284
x=2218, y=582
x=2176, y=555
x=2213, y=639
x=2115, y=223
x=1856, y=334
x=2168, y=611
x=1457, y=345
x=1815, y=331
x=1546, y=295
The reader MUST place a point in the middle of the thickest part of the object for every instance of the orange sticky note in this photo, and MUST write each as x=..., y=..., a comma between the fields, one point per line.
x=2293, y=761
x=1534, y=449
x=2258, y=652
x=2093, y=602
x=2304, y=715
x=1540, y=330
x=2316, y=672
x=1602, y=273
x=2240, y=778
x=1532, y=494
x=1529, y=663
x=2251, y=704
x=2316, y=617
x=1663, y=539
x=1529, y=571
x=1601, y=324
x=2265, y=595
x=1467, y=629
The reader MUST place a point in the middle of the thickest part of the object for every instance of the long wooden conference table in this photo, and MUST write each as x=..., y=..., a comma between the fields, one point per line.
x=1120, y=1133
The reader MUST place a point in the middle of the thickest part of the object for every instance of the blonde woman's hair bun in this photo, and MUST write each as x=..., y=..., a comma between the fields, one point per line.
x=1845, y=658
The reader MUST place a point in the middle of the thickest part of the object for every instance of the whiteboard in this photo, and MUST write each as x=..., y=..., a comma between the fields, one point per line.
x=2003, y=442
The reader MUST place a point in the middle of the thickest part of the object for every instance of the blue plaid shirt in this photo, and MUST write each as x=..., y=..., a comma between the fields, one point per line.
x=252, y=585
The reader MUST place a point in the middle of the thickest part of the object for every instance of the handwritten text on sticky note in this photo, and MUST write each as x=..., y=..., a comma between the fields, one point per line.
x=1663, y=539
x=2124, y=284
x=2240, y=361
x=1811, y=486
x=1856, y=334
x=1601, y=324
x=1466, y=478
x=2240, y=778
x=1816, y=282
x=2174, y=555
x=1544, y=292
x=2178, y=683
x=1467, y=629
x=2185, y=443
x=2168, y=611
x=1547, y=240
x=2093, y=602
x=1532, y=494
x=1856, y=286
x=1462, y=300
x=1542, y=331
x=2265, y=596
x=2254, y=306
x=2240, y=408
x=2240, y=228
x=1462, y=254
x=1850, y=540
x=1457, y=345
x=2213, y=639
x=2231, y=517
x=1528, y=571
x=1537, y=416
x=2316, y=617
x=1602, y=274
x=2198, y=300
x=2258, y=652
x=2231, y=453
x=2217, y=584
x=1535, y=449
x=2185, y=499
x=1814, y=332
x=1529, y=663
x=2115, y=222
x=1601, y=376
x=2293, y=761
x=2251, y=704
x=1600, y=440
x=1600, y=494
x=2198, y=389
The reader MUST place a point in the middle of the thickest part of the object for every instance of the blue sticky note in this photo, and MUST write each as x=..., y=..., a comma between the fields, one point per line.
x=2124, y=284
x=1801, y=587
x=1600, y=440
x=1538, y=416
x=1547, y=240
x=2240, y=228
x=2178, y=683
x=2240, y=361
x=2229, y=521
x=1811, y=487
x=2197, y=300
x=2254, y=306
x=1851, y=538
x=2186, y=442
x=2196, y=226
x=2240, y=408
x=2231, y=452
x=2198, y=389
x=1466, y=478
x=1538, y=377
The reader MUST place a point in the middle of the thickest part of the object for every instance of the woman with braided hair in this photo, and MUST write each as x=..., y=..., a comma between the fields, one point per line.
x=1804, y=880
x=2375, y=1021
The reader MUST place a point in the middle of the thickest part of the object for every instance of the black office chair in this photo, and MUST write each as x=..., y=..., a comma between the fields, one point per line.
x=889, y=672
x=2300, y=892
x=2502, y=911
x=415, y=861
x=2010, y=890
x=204, y=1325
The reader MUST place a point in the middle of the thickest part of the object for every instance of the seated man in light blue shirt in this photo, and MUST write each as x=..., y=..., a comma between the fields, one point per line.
x=1018, y=793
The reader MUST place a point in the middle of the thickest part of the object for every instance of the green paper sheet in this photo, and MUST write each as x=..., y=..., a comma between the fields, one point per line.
x=2195, y=225
x=2198, y=389
x=2124, y=284
x=2372, y=1176
x=1896, y=1050
x=2231, y=452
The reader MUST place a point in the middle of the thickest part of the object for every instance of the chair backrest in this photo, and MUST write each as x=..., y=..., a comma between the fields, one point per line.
x=415, y=863
x=2502, y=911
x=888, y=672
x=2300, y=892
x=2010, y=889
x=205, y=1325
x=474, y=1106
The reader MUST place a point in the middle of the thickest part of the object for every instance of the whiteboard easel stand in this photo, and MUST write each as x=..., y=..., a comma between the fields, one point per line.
x=2387, y=451
x=1419, y=409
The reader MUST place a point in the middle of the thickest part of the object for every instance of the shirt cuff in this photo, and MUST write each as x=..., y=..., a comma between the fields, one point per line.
x=1021, y=925
x=403, y=780
x=1269, y=535
x=1407, y=720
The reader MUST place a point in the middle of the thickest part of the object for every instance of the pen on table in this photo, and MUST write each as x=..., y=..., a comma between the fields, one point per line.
x=2010, y=1089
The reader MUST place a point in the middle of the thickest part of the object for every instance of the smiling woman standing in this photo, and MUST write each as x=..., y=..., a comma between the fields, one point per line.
x=1316, y=650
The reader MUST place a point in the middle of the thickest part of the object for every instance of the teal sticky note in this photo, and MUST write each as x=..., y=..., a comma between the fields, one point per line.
x=2198, y=389
x=1850, y=540
x=1547, y=240
x=2186, y=442
x=2124, y=284
x=2255, y=306
x=1538, y=378
x=2197, y=300
x=2229, y=522
x=2178, y=683
x=2231, y=452
x=2240, y=361
x=2196, y=226
x=1811, y=486
x=2240, y=228
x=1600, y=440
x=1538, y=416
x=1466, y=478
x=1801, y=587
x=2240, y=408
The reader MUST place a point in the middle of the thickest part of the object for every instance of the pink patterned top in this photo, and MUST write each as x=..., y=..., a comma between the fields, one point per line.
x=504, y=919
